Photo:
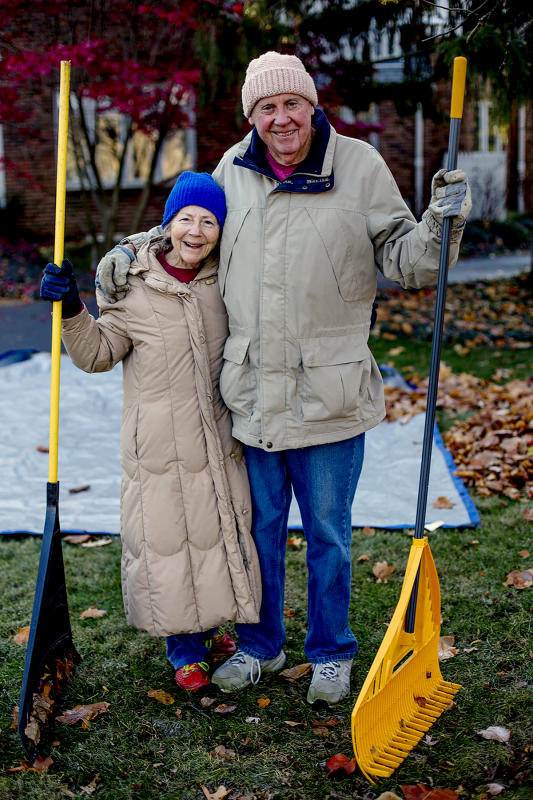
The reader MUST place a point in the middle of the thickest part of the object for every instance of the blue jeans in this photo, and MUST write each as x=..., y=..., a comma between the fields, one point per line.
x=324, y=478
x=188, y=648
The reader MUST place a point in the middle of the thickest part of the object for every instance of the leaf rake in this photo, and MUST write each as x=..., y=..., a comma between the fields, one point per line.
x=404, y=692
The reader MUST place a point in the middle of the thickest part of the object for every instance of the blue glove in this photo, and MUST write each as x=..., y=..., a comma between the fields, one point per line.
x=58, y=283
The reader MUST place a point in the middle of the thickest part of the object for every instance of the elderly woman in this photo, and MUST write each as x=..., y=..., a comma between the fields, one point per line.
x=188, y=559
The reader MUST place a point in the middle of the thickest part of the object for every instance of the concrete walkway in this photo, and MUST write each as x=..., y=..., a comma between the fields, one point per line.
x=26, y=325
x=484, y=269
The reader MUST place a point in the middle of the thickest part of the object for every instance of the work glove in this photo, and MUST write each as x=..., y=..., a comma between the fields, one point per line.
x=112, y=273
x=58, y=283
x=450, y=197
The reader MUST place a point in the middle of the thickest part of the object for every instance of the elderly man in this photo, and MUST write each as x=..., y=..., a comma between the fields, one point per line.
x=311, y=216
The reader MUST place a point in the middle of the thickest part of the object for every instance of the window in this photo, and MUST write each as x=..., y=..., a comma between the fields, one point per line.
x=106, y=131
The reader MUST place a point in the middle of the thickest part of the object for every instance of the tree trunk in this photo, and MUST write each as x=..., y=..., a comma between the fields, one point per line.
x=148, y=186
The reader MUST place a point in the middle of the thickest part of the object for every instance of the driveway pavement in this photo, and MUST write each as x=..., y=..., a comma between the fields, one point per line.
x=28, y=325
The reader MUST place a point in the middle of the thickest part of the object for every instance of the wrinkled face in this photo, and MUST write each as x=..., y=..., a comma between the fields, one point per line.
x=194, y=232
x=284, y=124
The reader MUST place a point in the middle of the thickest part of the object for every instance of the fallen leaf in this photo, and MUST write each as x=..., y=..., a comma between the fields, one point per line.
x=22, y=636
x=446, y=647
x=363, y=558
x=220, y=793
x=341, y=762
x=205, y=702
x=295, y=541
x=78, y=489
x=295, y=673
x=100, y=542
x=421, y=791
x=161, y=696
x=524, y=553
x=39, y=765
x=388, y=796
x=495, y=788
x=92, y=613
x=421, y=701
x=382, y=570
x=83, y=714
x=443, y=502
x=42, y=448
x=528, y=514
x=368, y=531
x=292, y=724
x=432, y=526
x=224, y=709
x=324, y=732
x=395, y=351
x=91, y=787
x=178, y=713
x=289, y=612
x=15, y=717
x=520, y=579
x=497, y=733
x=255, y=720
x=224, y=752
x=32, y=731
x=78, y=538
x=331, y=722
x=263, y=702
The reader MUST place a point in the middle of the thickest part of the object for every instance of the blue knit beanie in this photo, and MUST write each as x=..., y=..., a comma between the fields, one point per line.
x=196, y=189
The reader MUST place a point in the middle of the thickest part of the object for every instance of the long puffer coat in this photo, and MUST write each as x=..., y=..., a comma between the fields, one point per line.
x=188, y=559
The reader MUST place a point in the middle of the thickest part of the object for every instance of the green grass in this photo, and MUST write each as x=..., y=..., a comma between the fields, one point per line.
x=140, y=750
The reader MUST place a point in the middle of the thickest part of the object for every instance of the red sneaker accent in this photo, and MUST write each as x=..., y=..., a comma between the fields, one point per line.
x=192, y=677
x=221, y=646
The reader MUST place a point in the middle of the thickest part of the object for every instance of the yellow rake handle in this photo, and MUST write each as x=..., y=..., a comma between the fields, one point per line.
x=458, y=87
x=61, y=184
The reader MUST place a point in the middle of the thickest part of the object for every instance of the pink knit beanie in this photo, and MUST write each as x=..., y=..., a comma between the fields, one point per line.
x=273, y=73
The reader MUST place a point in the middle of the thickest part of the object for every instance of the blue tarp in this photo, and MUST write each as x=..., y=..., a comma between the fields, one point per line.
x=89, y=436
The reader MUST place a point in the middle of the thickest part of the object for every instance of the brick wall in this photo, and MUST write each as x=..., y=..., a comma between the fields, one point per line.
x=33, y=184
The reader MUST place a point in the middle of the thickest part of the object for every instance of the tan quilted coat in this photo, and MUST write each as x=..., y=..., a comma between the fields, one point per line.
x=188, y=559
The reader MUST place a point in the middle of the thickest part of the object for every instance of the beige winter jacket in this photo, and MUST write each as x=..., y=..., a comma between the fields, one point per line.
x=188, y=560
x=298, y=268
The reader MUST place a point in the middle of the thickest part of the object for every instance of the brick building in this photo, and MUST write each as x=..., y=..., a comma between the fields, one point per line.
x=414, y=149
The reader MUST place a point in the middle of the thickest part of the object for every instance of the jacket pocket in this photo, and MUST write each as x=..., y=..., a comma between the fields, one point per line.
x=236, y=378
x=128, y=440
x=335, y=378
x=232, y=226
x=349, y=251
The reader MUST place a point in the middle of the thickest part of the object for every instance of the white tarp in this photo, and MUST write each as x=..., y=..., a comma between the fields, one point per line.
x=89, y=436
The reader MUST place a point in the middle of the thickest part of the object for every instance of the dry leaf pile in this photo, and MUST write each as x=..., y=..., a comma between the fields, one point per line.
x=458, y=395
x=44, y=699
x=493, y=447
x=496, y=313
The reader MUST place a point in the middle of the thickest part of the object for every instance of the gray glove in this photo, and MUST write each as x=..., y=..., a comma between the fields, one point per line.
x=450, y=197
x=112, y=273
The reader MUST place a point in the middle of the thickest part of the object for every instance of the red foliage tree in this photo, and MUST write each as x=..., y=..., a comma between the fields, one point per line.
x=134, y=78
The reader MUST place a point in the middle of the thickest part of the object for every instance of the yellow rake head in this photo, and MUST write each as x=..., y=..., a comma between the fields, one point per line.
x=404, y=692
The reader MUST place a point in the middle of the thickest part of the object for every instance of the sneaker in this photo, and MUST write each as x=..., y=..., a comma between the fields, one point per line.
x=221, y=645
x=242, y=670
x=330, y=682
x=192, y=677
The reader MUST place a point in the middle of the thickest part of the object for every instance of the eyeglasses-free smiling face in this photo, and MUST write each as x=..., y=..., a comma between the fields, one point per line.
x=284, y=124
x=194, y=233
